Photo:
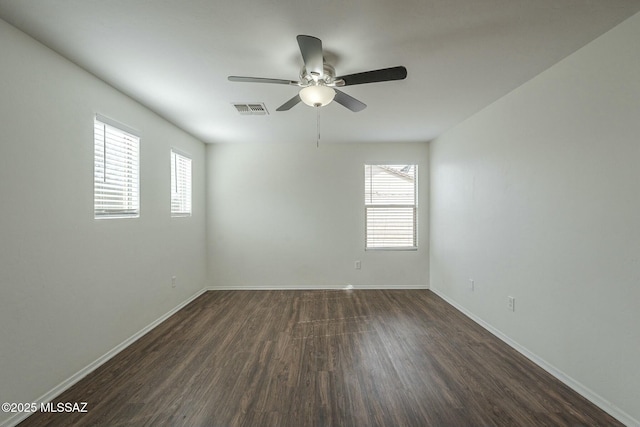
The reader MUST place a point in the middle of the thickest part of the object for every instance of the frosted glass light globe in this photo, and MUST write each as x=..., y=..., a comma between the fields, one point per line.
x=317, y=96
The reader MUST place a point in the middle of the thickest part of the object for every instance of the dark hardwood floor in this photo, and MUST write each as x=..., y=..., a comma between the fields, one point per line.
x=321, y=358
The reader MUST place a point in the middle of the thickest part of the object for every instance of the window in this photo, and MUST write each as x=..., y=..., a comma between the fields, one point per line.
x=180, y=184
x=116, y=190
x=390, y=206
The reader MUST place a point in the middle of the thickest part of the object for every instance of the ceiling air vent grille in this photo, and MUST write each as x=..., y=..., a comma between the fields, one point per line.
x=252, y=109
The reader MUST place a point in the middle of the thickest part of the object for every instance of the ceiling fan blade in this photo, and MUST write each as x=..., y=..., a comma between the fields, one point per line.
x=311, y=50
x=290, y=103
x=382, y=75
x=349, y=101
x=261, y=80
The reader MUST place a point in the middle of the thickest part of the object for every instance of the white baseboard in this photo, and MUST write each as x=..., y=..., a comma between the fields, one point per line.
x=66, y=384
x=584, y=391
x=309, y=288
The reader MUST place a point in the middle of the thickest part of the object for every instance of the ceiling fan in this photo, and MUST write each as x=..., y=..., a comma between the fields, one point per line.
x=318, y=81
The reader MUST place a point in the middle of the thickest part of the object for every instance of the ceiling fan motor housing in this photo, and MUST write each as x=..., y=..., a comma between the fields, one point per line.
x=311, y=78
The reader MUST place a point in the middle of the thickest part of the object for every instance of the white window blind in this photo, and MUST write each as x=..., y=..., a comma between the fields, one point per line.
x=180, y=184
x=390, y=206
x=116, y=189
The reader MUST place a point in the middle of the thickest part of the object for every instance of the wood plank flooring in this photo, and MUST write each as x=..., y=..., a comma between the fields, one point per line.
x=321, y=358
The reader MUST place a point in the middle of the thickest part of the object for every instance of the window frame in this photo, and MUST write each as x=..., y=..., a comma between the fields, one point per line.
x=370, y=206
x=183, y=200
x=124, y=167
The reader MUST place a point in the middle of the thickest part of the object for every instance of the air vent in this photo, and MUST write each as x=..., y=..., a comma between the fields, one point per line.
x=252, y=109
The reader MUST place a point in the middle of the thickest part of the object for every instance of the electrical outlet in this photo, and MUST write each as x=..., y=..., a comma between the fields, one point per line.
x=173, y=281
x=358, y=265
x=511, y=303
x=472, y=285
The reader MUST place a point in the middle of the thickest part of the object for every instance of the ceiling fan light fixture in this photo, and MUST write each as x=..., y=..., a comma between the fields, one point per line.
x=317, y=95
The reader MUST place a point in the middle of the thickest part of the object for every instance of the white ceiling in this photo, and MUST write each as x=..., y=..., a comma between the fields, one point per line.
x=174, y=56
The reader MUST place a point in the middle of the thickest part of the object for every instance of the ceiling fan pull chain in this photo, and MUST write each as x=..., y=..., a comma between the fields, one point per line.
x=318, y=125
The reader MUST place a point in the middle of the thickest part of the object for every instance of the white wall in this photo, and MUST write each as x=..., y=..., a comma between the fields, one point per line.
x=292, y=215
x=71, y=287
x=537, y=197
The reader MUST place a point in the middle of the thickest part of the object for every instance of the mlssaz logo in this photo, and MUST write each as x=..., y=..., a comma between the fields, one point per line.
x=63, y=407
